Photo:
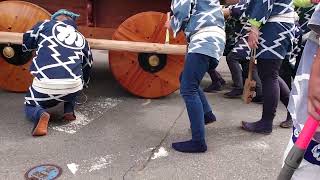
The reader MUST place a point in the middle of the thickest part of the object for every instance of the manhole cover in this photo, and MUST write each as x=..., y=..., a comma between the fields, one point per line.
x=44, y=172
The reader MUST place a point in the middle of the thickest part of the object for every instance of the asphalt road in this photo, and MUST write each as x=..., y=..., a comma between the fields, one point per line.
x=119, y=136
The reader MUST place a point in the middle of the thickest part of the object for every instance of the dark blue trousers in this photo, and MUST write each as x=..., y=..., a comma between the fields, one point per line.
x=196, y=65
x=36, y=103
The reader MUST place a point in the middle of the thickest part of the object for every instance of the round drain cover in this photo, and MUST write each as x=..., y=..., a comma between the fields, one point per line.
x=44, y=172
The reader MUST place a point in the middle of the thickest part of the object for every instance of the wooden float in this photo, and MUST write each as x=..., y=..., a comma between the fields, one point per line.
x=143, y=71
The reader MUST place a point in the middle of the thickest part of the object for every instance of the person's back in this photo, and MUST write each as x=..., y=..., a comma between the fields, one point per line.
x=61, y=50
x=205, y=13
x=264, y=10
x=61, y=68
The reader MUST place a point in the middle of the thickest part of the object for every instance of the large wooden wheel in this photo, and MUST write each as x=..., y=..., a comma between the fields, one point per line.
x=17, y=16
x=147, y=75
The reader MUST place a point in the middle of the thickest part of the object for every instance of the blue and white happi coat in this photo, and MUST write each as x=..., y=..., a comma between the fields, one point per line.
x=235, y=24
x=203, y=24
x=62, y=55
x=304, y=17
x=299, y=93
x=302, y=31
x=276, y=31
x=241, y=46
x=296, y=48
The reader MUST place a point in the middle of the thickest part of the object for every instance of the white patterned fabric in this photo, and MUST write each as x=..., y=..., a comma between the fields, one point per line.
x=299, y=93
x=309, y=170
x=61, y=51
x=276, y=38
x=203, y=24
x=62, y=61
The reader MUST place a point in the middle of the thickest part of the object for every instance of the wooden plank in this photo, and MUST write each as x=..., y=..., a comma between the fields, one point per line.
x=16, y=38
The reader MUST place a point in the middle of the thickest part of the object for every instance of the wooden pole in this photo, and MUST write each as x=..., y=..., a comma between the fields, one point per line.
x=102, y=44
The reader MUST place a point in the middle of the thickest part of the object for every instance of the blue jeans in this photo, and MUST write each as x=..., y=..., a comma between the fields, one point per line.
x=33, y=113
x=34, y=108
x=195, y=67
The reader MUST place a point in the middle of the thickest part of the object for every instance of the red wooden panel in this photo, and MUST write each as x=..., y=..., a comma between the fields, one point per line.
x=96, y=32
x=106, y=13
x=77, y=6
x=111, y=13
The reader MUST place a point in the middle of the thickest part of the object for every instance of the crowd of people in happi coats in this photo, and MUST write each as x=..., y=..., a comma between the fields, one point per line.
x=283, y=34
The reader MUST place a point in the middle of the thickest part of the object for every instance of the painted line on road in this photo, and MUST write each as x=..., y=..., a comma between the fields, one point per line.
x=88, y=113
x=74, y=126
x=73, y=167
x=162, y=152
x=257, y=145
x=88, y=166
x=148, y=101
x=260, y=145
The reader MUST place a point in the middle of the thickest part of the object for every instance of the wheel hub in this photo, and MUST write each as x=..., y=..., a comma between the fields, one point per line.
x=14, y=55
x=152, y=62
x=8, y=52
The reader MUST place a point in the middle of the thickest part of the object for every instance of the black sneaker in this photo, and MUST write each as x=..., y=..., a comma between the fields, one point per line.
x=260, y=127
x=213, y=87
x=190, y=146
x=258, y=99
x=222, y=82
x=286, y=124
x=235, y=93
x=209, y=118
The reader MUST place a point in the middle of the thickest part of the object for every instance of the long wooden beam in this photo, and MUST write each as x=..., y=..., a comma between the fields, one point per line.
x=102, y=44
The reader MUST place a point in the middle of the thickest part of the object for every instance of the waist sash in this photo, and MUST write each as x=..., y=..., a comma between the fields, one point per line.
x=286, y=18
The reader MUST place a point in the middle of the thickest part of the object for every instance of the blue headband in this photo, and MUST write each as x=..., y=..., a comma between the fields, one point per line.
x=66, y=13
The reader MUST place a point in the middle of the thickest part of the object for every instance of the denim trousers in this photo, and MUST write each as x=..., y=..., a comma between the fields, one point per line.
x=195, y=67
x=40, y=102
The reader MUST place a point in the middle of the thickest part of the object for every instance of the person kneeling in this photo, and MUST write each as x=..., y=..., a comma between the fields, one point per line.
x=61, y=68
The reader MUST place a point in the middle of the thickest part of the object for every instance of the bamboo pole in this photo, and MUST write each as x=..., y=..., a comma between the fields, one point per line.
x=102, y=44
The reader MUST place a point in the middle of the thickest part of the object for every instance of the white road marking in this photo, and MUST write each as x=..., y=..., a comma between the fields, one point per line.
x=149, y=150
x=260, y=145
x=148, y=101
x=87, y=113
x=100, y=163
x=74, y=126
x=94, y=164
x=73, y=167
x=162, y=152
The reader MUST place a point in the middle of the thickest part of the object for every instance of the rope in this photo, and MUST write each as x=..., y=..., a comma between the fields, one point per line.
x=81, y=99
